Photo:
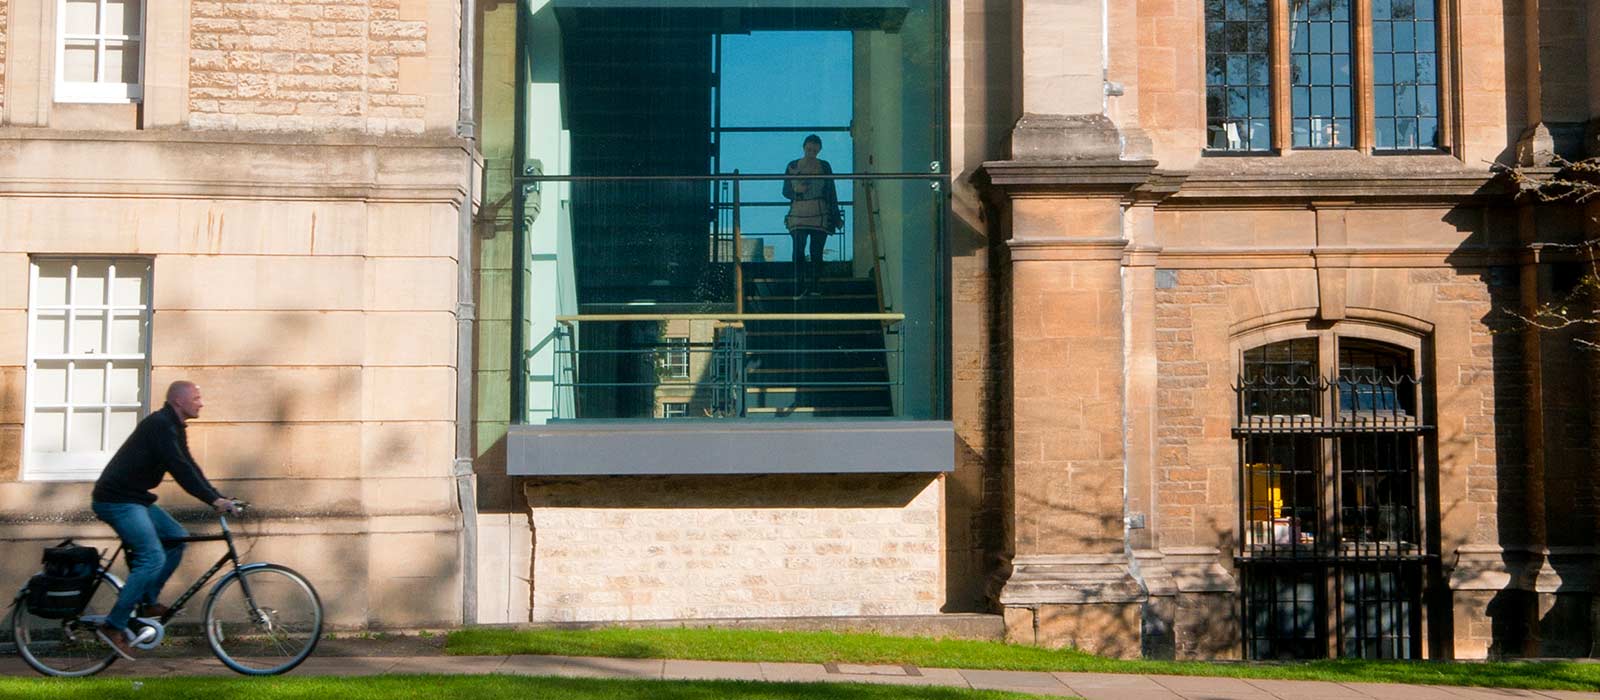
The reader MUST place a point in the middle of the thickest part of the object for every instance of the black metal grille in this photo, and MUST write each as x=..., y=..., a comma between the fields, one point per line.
x=1330, y=526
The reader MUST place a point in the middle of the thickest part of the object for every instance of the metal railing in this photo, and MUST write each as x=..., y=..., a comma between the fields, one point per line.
x=703, y=366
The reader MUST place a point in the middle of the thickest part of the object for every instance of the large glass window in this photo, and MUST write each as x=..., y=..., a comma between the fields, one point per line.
x=88, y=362
x=744, y=200
x=1319, y=73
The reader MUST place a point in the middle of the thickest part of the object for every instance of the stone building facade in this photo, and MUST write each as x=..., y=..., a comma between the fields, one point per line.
x=1209, y=368
x=281, y=201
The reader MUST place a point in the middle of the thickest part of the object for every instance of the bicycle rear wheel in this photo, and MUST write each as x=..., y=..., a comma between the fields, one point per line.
x=263, y=619
x=66, y=647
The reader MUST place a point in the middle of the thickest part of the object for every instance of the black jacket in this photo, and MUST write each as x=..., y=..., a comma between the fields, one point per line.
x=158, y=446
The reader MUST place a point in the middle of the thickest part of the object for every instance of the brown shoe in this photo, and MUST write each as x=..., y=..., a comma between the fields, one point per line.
x=116, y=639
x=155, y=610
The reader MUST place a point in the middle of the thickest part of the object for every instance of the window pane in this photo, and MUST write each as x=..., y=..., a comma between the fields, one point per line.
x=52, y=285
x=120, y=427
x=122, y=62
x=80, y=17
x=127, y=334
x=50, y=334
x=128, y=290
x=91, y=289
x=49, y=431
x=88, y=383
x=122, y=17
x=86, y=431
x=88, y=333
x=1237, y=41
x=126, y=378
x=1405, y=68
x=1318, y=64
x=77, y=62
x=49, y=383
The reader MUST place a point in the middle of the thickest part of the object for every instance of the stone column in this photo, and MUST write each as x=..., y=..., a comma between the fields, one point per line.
x=1071, y=581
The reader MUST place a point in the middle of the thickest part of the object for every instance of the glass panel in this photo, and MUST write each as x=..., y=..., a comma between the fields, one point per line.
x=1319, y=63
x=52, y=285
x=86, y=431
x=49, y=383
x=122, y=17
x=78, y=62
x=1404, y=61
x=81, y=17
x=126, y=379
x=50, y=334
x=1237, y=41
x=49, y=431
x=91, y=289
x=122, y=62
x=129, y=286
x=88, y=383
x=127, y=334
x=88, y=333
x=121, y=425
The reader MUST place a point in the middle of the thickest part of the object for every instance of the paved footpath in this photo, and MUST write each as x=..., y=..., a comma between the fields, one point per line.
x=1093, y=686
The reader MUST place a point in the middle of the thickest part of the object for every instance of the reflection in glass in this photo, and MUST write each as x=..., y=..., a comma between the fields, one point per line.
x=1404, y=57
x=1238, y=81
x=1319, y=75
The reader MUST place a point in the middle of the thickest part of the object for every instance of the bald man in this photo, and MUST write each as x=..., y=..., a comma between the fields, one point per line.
x=157, y=447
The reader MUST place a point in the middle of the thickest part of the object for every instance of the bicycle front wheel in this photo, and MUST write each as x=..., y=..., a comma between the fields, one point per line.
x=263, y=619
x=69, y=647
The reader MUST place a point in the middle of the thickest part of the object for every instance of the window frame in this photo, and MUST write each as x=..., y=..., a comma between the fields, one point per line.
x=98, y=91
x=1330, y=552
x=68, y=465
x=1363, y=95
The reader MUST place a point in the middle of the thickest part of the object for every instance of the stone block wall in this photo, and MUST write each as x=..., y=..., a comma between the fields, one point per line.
x=320, y=327
x=5, y=14
x=374, y=66
x=761, y=546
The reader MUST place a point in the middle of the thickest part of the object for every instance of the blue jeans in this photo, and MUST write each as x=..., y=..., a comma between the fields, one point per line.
x=150, y=564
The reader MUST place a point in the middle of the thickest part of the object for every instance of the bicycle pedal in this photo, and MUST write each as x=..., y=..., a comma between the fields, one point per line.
x=150, y=634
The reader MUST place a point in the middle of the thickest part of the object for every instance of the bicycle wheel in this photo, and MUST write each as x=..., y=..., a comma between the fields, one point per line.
x=263, y=620
x=66, y=647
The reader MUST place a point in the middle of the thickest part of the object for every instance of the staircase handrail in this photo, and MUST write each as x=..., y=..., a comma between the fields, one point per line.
x=869, y=187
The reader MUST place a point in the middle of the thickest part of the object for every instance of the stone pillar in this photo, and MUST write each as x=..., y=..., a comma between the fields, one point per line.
x=1072, y=581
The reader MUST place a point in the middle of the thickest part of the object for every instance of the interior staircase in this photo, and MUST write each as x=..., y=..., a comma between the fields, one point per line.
x=814, y=369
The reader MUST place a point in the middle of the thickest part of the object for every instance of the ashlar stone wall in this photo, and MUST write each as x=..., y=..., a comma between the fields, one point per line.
x=376, y=66
x=760, y=546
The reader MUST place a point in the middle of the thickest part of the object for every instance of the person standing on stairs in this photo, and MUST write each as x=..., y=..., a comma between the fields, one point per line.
x=813, y=212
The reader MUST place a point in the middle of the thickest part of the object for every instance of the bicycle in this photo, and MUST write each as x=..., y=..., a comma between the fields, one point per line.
x=260, y=619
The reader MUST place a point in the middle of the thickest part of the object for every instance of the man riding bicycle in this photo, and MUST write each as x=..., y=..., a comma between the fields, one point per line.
x=158, y=446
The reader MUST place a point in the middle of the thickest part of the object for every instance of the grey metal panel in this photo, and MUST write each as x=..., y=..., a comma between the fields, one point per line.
x=585, y=448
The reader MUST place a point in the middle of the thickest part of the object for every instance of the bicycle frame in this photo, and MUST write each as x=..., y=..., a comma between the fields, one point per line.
x=232, y=555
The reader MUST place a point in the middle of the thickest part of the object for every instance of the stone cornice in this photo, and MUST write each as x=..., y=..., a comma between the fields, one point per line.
x=184, y=164
x=1349, y=189
x=1065, y=178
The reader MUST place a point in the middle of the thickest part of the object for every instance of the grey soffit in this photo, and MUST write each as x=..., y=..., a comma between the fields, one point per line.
x=616, y=448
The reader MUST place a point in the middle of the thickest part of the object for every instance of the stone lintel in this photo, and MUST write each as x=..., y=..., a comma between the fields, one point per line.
x=1338, y=189
x=1072, y=579
x=1111, y=249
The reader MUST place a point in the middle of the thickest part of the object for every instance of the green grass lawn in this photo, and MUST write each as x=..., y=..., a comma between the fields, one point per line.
x=476, y=687
x=823, y=647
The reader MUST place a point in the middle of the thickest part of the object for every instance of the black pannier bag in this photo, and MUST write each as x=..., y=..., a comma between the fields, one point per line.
x=63, y=589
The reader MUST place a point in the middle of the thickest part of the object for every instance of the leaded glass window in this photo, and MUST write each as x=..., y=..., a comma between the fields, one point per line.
x=1319, y=73
x=1238, y=76
x=1405, y=74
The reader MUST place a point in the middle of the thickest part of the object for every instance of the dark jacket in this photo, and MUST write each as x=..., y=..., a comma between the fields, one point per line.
x=158, y=446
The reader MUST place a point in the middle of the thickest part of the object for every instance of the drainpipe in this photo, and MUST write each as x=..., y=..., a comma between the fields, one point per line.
x=466, y=311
